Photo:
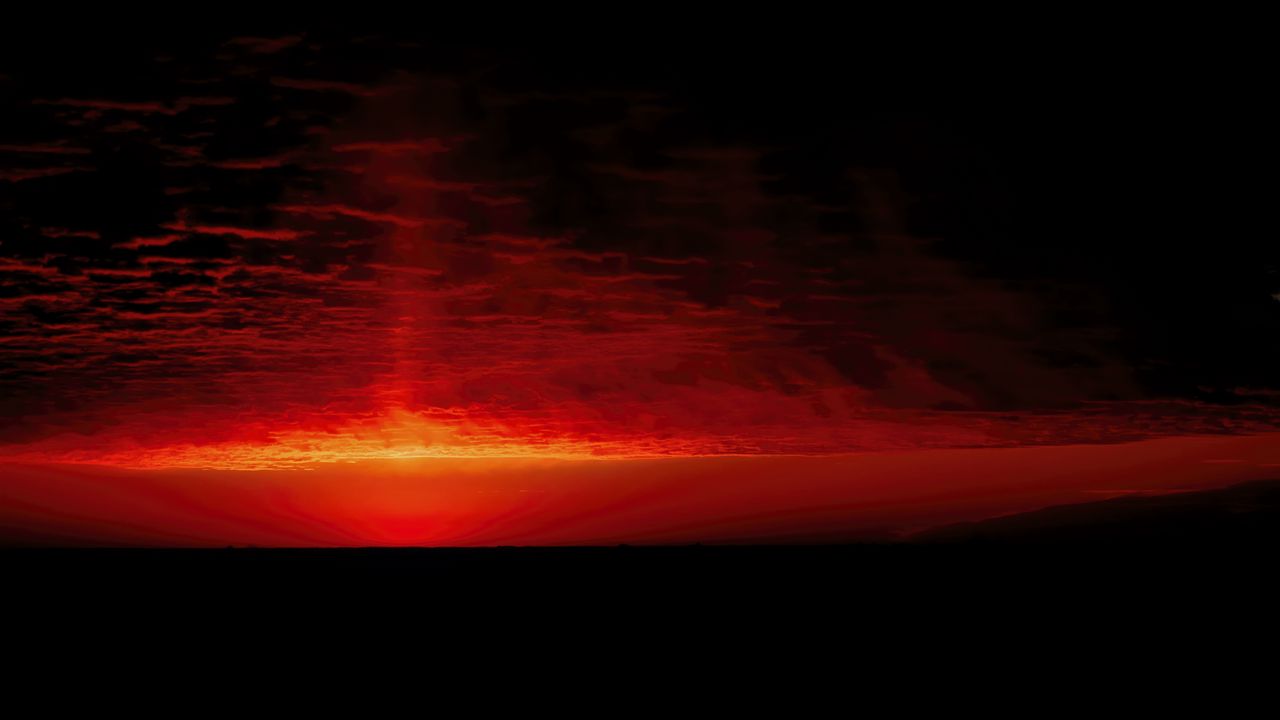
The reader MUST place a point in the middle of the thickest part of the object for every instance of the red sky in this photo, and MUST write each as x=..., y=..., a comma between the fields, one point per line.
x=262, y=298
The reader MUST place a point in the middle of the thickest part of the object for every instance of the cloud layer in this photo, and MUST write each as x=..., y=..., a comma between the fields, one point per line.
x=280, y=250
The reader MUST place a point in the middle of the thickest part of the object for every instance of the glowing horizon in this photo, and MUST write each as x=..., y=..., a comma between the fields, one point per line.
x=476, y=501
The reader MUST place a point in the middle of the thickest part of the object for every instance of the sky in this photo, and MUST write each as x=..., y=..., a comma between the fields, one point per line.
x=316, y=287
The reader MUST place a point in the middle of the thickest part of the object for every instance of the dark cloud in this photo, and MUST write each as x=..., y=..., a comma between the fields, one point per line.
x=286, y=233
x=266, y=45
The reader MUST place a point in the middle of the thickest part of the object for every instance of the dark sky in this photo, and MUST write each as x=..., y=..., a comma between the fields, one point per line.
x=259, y=249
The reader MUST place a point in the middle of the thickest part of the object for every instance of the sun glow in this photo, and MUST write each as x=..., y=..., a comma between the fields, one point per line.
x=396, y=434
x=485, y=501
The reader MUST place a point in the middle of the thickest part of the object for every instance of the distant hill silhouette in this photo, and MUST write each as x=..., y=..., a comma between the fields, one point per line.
x=1245, y=515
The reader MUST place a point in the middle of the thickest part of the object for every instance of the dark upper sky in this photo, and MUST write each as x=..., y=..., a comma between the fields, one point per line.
x=235, y=240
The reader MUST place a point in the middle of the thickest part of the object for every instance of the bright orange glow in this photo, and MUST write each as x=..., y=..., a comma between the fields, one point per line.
x=478, y=501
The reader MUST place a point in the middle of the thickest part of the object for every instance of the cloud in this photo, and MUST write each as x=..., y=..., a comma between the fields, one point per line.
x=266, y=45
x=20, y=174
x=463, y=268
x=423, y=145
x=249, y=233
x=146, y=107
x=314, y=85
x=400, y=220
x=58, y=148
